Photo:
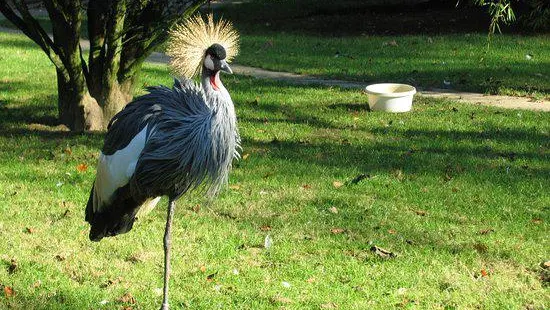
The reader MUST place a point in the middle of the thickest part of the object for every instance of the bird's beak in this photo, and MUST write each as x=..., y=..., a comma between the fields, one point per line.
x=225, y=67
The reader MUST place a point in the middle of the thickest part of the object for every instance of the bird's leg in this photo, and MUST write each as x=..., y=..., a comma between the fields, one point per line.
x=167, y=242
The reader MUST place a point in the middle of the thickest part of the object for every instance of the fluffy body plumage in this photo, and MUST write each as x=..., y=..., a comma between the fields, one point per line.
x=163, y=143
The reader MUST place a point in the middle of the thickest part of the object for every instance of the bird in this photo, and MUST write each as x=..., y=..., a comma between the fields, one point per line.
x=171, y=140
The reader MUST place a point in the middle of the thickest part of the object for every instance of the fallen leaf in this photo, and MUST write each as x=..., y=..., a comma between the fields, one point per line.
x=235, y=187
x=37, y=284
x=196, y=208
x=401, y=291
x=127, y=298
x=336, y=230
x=382, y=252
x=484, y=273
x=8, y=291
x=203, y=268
x=392, y=231
x=68, y=151
x=268, y=242
x=480, y=247
x=29, y=230
x=337, y=184
x=265, y=228
x=60, y=257
x=329, y=305
x=211, y=276
x=12, y=267
x=110, y=282
x=420, y=212
x=486, y=231
x=404, y=303
x=359, y=178
x=546, y=264
x=306, y=186
x=245, y=156
x=135, y=258
x=390, y=43
x=333, y=210
x=310, y=280
x=536, y=221
x=127, y=308
x=65, y=213
x=82, y=167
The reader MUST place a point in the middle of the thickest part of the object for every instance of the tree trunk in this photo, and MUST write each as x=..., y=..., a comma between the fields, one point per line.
x=77, y=109
x=114, y=98
x=122, y=34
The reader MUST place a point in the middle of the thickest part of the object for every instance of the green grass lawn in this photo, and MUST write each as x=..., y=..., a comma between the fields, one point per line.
x=459, y=192
x=426, y=47
x=421, y=60
x=351, y=40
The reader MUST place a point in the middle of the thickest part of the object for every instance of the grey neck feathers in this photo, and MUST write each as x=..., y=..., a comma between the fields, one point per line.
x=224, y=134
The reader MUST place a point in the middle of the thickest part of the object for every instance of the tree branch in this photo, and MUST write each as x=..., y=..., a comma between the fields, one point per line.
x=32, y=29
x=141, y=41
x=113, y=40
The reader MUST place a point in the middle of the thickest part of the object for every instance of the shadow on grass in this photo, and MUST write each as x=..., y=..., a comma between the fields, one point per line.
x=356, y=17
x=36, y=112
x=432, y=152
x=22, y=43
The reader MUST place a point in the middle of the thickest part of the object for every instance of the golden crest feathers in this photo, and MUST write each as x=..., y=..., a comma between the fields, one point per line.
x=189, y=41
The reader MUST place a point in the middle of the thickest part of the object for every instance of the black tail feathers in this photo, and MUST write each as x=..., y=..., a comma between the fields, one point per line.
x=116, y=218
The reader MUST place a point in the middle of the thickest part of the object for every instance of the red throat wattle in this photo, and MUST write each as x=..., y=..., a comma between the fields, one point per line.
x=215, y=81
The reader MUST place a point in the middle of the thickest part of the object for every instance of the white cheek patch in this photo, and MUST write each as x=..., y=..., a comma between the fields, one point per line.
x=208, y=62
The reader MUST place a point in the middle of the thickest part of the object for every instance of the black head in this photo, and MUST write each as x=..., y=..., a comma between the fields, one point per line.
x=214, y=59
x=216, y=51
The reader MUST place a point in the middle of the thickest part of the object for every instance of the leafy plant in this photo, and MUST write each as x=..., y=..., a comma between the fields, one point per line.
x=501, y=11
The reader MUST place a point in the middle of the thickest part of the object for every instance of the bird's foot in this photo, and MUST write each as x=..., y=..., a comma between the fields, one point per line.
x=164, y=307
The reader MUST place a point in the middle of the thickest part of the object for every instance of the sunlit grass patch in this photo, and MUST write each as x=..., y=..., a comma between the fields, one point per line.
x=458, y=193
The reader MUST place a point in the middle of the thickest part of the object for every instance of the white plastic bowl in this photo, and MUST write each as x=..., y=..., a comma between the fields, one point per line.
x=390, y=97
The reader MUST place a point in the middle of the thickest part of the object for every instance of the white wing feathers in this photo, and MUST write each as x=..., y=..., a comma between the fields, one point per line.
x=114, y=171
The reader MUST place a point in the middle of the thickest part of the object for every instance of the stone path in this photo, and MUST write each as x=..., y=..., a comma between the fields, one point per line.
x=507, y=102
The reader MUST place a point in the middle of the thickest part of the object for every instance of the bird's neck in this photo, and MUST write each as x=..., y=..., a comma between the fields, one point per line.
x=213, y=87
x=220, y=103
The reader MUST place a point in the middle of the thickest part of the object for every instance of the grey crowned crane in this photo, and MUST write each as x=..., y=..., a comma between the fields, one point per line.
x=169, y=141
